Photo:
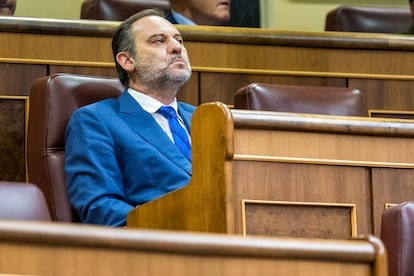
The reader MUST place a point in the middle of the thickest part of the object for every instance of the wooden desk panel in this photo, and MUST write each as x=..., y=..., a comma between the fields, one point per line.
x=223, y=86
x=390, y=186
x=325, y=201
x=16, y=79
x=386, y=94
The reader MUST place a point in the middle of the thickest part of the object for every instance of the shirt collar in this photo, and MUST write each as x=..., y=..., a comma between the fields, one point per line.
x=181, y=19
x=148, y=103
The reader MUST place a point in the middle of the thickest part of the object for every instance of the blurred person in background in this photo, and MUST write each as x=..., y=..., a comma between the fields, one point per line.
x=411, y=29
x=7, y=7
x=199, y=12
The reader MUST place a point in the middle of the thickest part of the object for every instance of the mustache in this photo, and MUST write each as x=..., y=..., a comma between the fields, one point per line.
x=177, y=57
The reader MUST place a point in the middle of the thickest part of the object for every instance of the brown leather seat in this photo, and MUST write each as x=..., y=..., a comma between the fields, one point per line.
x=397, y=234
x=22, y=201
x=368, y=19
x=118, y=10
x=52, y=101
x=301, y=99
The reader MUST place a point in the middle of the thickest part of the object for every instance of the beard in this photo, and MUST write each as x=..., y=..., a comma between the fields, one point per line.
x=159, y=78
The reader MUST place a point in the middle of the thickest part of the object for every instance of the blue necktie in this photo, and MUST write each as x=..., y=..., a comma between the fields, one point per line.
x=178, y=132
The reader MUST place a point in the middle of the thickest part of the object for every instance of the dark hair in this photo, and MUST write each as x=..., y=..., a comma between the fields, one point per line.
x=123, y=40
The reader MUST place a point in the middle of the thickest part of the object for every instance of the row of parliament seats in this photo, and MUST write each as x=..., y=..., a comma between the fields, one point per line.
x=54, y=98
x=47, y=152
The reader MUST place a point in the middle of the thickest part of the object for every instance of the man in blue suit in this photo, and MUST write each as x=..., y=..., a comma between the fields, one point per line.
x=121, y=153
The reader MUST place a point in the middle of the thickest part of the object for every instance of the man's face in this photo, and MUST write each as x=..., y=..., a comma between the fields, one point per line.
x=210, y=12
x=7, y=7
x=161, y=57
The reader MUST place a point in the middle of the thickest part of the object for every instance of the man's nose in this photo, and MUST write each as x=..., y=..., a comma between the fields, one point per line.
x=175, y=46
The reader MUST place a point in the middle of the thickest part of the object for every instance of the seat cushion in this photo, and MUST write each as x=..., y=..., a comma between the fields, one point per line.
x=22, y=201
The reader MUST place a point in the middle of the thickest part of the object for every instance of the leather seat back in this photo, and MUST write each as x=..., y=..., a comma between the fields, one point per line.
x=397, y=234
x=53, y=99
x=301, y=99
x=368, y=19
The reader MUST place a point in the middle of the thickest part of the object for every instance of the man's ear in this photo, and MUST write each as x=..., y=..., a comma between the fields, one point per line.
x=125, y=61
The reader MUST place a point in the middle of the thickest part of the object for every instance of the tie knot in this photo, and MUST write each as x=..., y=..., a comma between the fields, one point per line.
x=167, y=111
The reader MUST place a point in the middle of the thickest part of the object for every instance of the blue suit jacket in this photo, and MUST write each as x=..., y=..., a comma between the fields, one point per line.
x=118, y=157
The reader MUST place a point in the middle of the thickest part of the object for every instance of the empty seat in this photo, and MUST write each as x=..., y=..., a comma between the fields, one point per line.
x=301, y=99
x=368, y=19
x=22, y=201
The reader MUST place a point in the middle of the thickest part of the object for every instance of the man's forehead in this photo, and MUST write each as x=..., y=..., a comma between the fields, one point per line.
x=153, y=24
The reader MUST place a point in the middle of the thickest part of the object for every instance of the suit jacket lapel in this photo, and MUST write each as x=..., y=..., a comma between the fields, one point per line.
x=147, y=127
